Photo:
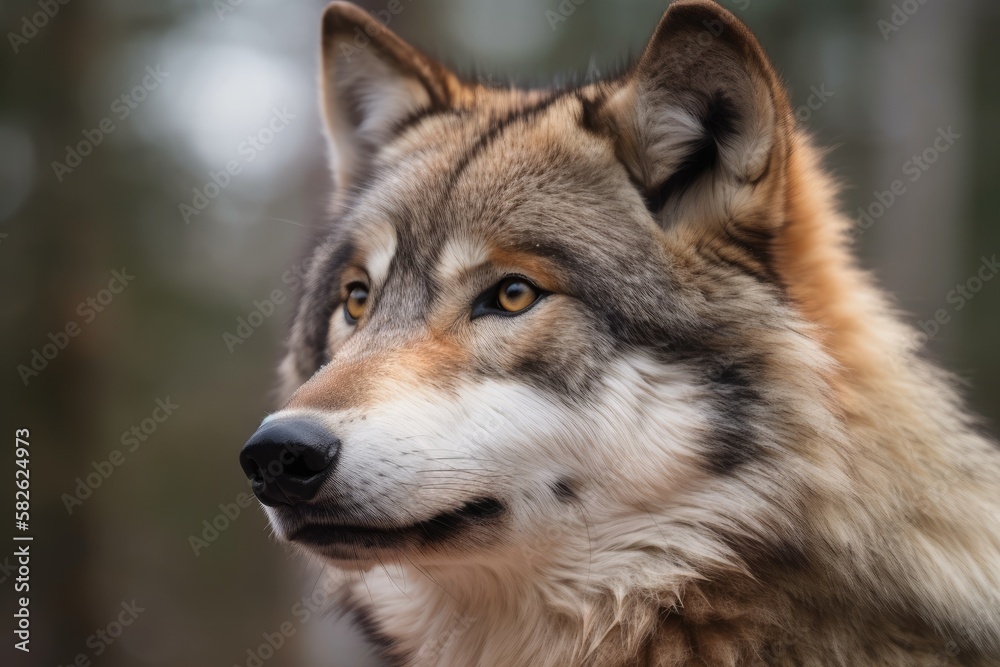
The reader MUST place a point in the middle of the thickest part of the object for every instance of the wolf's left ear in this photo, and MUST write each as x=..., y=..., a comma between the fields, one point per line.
x=372, y=81
x=702, y=121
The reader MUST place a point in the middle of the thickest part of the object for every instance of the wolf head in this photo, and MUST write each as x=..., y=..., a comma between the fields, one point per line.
x=608, y=344
x=538, y=310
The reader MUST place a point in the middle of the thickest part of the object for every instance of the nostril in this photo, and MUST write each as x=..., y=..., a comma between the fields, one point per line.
x=251, y=468
x=301, y=468
x=316, y=459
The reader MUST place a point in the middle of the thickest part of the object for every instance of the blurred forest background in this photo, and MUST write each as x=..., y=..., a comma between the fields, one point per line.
x=169, y=93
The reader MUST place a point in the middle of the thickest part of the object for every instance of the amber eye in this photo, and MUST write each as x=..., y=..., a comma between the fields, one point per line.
x=357, y=299
x=516, y=294
x=512, y=296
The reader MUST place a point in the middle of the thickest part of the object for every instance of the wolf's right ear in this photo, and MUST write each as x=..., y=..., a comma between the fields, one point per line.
x=702, y=122
x=372, y=81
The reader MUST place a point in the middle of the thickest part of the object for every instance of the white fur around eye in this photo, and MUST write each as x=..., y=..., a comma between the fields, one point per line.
x=340, y=330
x=459, y=254
x=379, y=242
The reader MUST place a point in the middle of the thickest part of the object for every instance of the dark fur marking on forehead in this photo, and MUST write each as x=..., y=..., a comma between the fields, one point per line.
x=412, y=120
x=408, y=284
x=420, y=115
x=496, y=128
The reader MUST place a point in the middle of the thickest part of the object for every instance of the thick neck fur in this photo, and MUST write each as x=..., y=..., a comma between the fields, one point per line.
x=873, y=540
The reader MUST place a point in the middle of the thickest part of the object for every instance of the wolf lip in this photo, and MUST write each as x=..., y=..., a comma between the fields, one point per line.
x=439, y=528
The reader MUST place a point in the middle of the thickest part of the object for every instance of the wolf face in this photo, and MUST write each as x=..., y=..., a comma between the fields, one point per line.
x=590, y=340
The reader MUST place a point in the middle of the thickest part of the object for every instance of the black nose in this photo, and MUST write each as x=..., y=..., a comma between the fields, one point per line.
x=287, y=460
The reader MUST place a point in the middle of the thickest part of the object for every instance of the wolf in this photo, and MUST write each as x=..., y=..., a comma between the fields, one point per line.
x=588, y=375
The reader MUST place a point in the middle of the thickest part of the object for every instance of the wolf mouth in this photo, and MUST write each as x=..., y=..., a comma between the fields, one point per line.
x=439, y=528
